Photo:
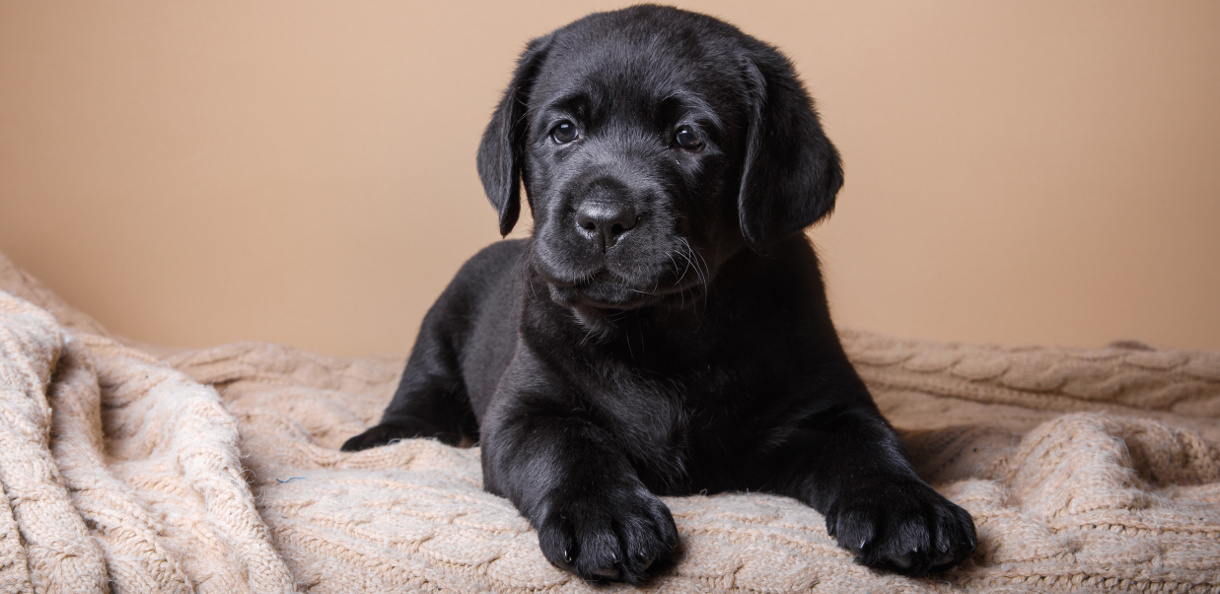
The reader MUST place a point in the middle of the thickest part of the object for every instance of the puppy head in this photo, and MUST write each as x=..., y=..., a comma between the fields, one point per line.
x=653, y=143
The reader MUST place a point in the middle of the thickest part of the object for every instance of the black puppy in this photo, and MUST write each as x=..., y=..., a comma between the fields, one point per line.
x=665, y=331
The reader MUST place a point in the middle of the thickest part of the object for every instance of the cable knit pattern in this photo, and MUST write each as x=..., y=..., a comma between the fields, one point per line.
x=218, y=470
x=119, y=472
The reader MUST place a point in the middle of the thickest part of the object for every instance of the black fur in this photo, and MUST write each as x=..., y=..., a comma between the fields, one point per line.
x=665, y=331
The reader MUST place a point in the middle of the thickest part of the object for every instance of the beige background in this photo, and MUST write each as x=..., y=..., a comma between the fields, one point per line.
x=300, y=172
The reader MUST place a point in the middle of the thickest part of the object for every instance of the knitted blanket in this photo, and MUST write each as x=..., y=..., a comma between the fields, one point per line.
x=137, y=469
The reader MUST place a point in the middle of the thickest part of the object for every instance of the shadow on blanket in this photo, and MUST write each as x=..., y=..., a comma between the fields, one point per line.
x=144, y=470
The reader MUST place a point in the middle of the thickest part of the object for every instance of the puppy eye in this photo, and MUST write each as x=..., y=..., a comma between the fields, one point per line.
x=564, y=132
x=687, y=138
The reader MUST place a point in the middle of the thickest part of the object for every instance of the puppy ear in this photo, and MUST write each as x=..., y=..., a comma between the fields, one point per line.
x=791, y=171
x=500, y=152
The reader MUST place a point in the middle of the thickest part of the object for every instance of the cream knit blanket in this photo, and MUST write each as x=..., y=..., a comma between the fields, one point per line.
x=217, y=470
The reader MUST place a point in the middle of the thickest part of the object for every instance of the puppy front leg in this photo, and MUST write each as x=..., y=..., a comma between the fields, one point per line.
x=431, y=399
x=569, y=478
x=853, y=467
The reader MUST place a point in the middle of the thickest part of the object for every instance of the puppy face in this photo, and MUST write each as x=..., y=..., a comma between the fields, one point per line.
x=629, y=164
x=653, y=144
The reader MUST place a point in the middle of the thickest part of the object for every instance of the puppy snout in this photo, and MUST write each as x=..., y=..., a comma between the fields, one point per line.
x=605, y=222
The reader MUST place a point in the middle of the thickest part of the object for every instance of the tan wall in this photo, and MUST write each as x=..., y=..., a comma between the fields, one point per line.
x=198, y=173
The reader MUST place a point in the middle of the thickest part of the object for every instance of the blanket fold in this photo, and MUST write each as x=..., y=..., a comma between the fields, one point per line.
x=120, y=472
x=133, y=469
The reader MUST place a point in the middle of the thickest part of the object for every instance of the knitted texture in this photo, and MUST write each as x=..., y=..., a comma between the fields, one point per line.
x=218, y=470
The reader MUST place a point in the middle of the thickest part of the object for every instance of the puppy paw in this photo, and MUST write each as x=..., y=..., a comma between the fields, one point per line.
x=384, y=433
x=902, y=526
x=614, y=534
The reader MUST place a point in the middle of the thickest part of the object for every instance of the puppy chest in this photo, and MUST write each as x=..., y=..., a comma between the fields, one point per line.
x=675, y=432
x=650, y=427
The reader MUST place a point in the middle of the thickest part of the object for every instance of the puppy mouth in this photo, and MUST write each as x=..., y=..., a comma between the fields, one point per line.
x=600, y=299
x=604, y=290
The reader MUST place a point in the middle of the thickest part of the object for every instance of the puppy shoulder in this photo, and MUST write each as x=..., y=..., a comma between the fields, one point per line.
x=492, y=262
x=486, y=278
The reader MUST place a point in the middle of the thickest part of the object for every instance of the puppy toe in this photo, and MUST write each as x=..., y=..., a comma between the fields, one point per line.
x=645, y=541
x=853, y=529
x=903, y=561
x=599, y=552
x=558, y=544
x=611, y=573
x=956, y=536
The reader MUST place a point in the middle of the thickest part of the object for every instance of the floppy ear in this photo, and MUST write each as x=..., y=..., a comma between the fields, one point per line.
x=791, y=171
x=500, y=152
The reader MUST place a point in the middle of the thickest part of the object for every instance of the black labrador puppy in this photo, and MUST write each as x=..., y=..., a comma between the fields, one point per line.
x=665, y=331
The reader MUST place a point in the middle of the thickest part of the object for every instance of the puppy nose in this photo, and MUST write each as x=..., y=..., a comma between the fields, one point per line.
x=604, y=221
